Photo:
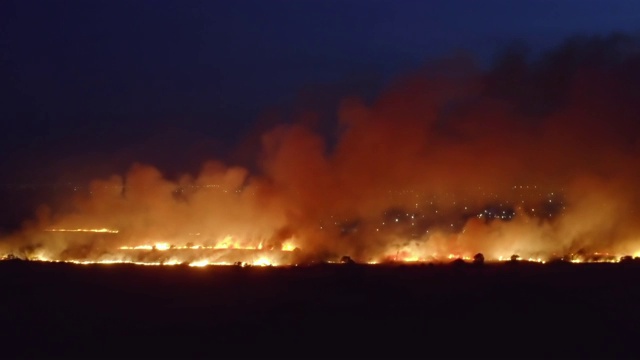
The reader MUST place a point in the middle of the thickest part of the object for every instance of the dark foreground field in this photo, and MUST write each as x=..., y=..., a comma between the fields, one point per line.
x=508, y=310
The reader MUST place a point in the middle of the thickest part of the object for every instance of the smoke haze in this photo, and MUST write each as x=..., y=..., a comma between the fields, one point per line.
x=537, y=158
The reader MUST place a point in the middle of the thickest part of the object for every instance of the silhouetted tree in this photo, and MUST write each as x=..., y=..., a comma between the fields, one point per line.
x=478, y=259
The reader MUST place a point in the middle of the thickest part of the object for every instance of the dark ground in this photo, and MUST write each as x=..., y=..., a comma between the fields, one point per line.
x=507, y=310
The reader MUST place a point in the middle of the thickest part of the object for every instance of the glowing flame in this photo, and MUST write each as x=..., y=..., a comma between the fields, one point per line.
x=162, y=246
x=269, y=261
x=167, y=254
x=85, y=230
x=200, y=263
x=139, y=247
x=227, y=243
x=288, y=247
x=262, y=262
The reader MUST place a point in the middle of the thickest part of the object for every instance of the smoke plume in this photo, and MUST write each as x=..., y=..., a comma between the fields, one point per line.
x=539, y=158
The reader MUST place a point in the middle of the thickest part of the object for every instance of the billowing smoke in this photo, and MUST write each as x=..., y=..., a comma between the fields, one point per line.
x=537, y=158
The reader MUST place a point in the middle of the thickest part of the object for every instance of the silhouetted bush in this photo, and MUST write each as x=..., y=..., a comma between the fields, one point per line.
x=458, y=262
x=347, y=260
x=626, y=259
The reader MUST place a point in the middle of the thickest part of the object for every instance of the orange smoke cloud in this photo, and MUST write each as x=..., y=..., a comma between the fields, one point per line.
x=445, y=162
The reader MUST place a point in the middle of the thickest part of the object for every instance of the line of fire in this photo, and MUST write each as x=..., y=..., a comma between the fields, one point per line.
x=409, y=238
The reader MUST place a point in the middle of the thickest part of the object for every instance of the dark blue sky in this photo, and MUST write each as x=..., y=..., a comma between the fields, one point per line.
x=87, y=81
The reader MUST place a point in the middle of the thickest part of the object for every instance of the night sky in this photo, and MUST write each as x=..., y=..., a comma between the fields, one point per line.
x=88, y=87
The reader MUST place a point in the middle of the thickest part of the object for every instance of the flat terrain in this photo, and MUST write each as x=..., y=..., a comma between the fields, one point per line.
x=506, y=310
